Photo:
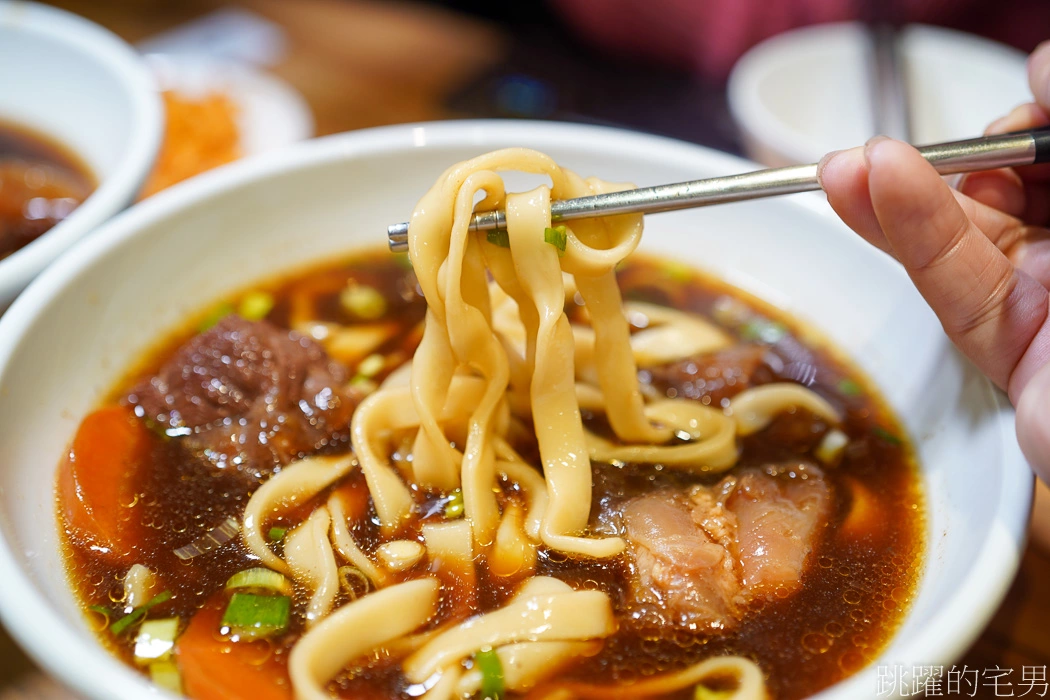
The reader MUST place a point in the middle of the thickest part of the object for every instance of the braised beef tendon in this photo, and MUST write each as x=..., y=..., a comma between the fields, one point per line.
x=701, y=556
x=249, y=396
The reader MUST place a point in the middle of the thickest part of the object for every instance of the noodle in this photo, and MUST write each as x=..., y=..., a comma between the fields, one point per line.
x=495, y=353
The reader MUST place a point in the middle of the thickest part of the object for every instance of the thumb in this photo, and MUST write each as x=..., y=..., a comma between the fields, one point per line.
x=1039, y=75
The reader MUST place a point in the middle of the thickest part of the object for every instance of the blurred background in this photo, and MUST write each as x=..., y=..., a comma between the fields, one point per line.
x=248, y=76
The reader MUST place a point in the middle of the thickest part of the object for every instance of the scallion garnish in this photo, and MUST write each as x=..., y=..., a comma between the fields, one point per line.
x=557, y=237
x=676, y=271
x=251, y=616
x=454, y=507
x=763, y=331
x=363, y=301
x=260, y=577
x=100, y=609
x=886, y=436
x=165, y=674
x=138, y=613
x=492, y=686
x=155, y=640
x=255, y=306
x=215, y=315
x=498, y=237
x=371, y=365
x=355, y=583
x=277, y=533
x=848, y=387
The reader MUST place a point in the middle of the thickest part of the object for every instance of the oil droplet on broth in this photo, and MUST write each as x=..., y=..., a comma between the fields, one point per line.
x=851, y=662
x=815, y=642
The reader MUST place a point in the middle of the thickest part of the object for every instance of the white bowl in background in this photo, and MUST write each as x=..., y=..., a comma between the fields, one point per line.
x=806, y=92
x=80, y=325
x=82, y=86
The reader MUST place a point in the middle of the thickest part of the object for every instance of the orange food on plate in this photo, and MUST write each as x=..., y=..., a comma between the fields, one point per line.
x=200, y=134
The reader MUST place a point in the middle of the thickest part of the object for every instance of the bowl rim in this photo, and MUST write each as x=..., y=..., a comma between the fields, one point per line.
x=761, y=124
x=93, y=670
x=116, y=190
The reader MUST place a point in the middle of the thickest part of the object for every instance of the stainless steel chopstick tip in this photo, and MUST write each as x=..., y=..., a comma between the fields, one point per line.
x=986, y=153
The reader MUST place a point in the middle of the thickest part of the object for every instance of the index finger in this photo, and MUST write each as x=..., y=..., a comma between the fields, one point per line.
x=991, y=311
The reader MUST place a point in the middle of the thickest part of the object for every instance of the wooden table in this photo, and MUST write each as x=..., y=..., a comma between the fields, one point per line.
x=362, y=64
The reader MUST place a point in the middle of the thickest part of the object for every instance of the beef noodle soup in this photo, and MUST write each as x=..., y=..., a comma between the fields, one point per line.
x=41, y=183
x=259, y=511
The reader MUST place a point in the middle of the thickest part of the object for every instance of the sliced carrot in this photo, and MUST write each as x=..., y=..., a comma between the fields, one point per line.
x=865, y=515
x=96, y=480
x=214, y=668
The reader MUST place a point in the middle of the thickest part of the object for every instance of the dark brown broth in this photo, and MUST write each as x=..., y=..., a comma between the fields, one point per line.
x=854, y=591
x=41, y=182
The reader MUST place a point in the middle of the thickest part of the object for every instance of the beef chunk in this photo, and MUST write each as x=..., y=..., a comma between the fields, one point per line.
x=699, y=557
x=715, y=376
x=249, y=396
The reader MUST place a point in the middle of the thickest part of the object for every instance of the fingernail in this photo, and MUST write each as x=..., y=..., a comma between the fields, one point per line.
x=998, y=126
x=822, y=163
x=871, y=143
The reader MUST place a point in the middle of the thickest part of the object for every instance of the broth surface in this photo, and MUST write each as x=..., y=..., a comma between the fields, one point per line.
x=856, y=585
x=41, y=183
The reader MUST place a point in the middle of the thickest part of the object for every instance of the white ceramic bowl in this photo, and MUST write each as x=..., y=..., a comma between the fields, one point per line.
x=803, y=93
x=72, y=334
x=82, y=86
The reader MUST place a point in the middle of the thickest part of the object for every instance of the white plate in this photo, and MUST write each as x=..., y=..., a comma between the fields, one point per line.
x=270, y=113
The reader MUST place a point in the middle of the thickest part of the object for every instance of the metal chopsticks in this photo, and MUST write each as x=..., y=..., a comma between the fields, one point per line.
x=986, y=153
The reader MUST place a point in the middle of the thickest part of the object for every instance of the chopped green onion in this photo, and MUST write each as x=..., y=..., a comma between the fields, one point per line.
x=487, y=661
x=255, y=306
x=355, y=583
x=155, y=640
x=763, y=331
x=730, y=312
x=251, y=616
x=260, y=577
x=216, y=314
x=676, y=271
x=363, y=301
x=156, y=428
x=454, y=507
x=886, y=436
x=100, y=609
x=165, y=674
x=363, y=384
x=371, y=365
x=557, y=237
x=138, y=613
x=849, y=387
x=831, y=447
x=498, y=236
x=702, y=692
x=277, y=533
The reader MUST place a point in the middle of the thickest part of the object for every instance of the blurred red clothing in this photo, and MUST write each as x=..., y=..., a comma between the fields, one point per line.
x=708, y=36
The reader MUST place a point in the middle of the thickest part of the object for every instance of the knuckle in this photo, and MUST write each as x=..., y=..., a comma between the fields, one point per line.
x=948, y=250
